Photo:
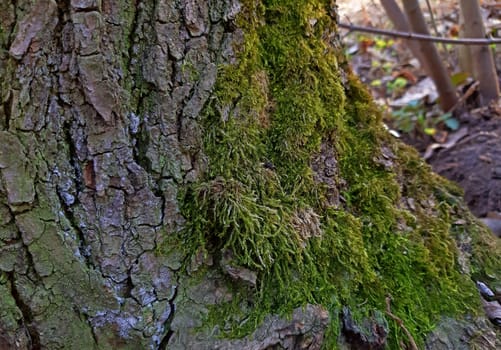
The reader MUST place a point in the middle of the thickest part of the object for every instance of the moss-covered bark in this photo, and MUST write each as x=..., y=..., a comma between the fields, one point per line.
x=209, y=174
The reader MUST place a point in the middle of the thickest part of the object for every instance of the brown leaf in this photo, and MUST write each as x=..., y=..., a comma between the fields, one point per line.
x=407, y=74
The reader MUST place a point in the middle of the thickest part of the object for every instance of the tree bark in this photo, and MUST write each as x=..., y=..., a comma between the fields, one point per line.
x=439, y=74
x=399, y=20
x=186, y=174
x=484, y=69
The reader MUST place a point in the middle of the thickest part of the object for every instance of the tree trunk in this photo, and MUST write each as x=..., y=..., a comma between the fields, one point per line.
x=400, y=22
x=484, y=69
x=438, y=71
x=190, y=174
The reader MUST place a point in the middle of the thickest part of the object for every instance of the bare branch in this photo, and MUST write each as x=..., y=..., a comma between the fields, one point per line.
x=422, y=37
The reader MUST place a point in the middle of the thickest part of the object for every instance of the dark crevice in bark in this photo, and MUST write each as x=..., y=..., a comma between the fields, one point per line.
x=63, y=17
x=89, y=9
x=86, y=55
x=75, y=164
x=157, y=192
x=140, y=138
x=179, y=124
x=27, y=319
x=68, y=212
x=46, y=112
x=229, y=26
x=165, y=340
x=109, y=151
x=132, y=35
x=11, y=34
x=63, y=7
x=31, y=267
x=82, y=242
x=140, y=148
x=164, y=343
x=129, y=286
x=25, y=207
x=162, y=212
x=7, y=107
x=92, y=331
x=138, y=135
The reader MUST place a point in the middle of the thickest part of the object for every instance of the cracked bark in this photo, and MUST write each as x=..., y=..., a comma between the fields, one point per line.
x=99, y=129
x=91, y=179
x=84, y=160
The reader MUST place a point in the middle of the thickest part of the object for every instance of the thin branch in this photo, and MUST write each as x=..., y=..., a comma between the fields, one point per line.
x=437, y=33
x=401, y=23
x=432, y=18
x=466, y=95
x=415, y=36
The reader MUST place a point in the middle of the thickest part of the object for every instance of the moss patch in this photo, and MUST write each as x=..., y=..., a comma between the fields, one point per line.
x=267, y=119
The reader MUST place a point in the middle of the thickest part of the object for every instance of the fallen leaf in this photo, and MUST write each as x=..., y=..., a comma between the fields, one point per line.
x=453, y=139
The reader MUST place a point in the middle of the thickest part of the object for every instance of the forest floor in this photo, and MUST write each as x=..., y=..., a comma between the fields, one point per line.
x=463, y=146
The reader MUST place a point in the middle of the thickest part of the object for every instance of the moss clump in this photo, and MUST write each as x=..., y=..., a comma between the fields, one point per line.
x=266, y=121
x=230, y=206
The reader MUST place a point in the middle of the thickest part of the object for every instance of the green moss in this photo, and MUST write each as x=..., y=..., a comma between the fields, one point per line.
x=267, y=119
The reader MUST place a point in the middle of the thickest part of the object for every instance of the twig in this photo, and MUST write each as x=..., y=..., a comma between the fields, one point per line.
x=437, y=33
x=432, y=18
x=467, y=94
x=401, y=324
x=415, y=36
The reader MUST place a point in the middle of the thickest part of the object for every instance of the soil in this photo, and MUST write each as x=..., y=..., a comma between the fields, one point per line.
x=474, y=162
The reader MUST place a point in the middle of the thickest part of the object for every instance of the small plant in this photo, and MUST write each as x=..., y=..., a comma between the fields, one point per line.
x=413, y=117
x=396, y=86
x=382, y=43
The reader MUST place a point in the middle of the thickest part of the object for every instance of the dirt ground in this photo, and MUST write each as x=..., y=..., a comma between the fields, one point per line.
x=469, y=155
x=474, y=162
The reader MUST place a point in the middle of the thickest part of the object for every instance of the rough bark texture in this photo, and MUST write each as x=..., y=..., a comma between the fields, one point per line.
x=438, y=71
x=484, y=69
x=399, y=20
x=102, y=131
x=92, y=159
